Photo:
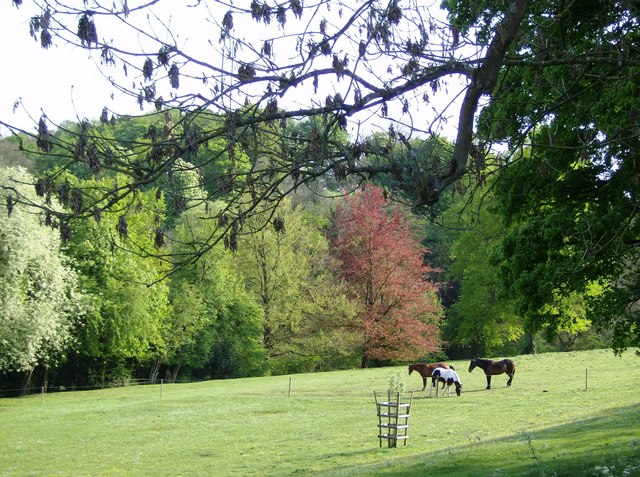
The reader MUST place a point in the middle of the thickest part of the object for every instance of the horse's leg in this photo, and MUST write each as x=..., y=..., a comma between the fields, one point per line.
x=424, y=383
x=488, y=381
x=511, y=377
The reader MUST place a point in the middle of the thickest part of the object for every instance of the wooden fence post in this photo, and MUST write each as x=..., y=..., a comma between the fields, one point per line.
x=586, y=378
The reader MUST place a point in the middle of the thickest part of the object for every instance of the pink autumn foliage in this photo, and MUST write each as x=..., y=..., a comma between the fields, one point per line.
x=382, y=263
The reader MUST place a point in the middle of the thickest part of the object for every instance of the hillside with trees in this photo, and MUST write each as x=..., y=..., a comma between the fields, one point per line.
x=208, y=235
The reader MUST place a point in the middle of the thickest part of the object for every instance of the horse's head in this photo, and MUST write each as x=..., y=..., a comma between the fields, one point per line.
x=458, y=387
x=472, y=365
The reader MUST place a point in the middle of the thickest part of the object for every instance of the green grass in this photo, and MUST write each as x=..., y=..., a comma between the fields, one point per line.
x=539, y=426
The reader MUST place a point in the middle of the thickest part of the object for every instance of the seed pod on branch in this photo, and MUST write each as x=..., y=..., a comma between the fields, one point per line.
x=278, y=224
x=159, y=238
x=10, y=203
x=97, y=214
x=44, y=142
x=123, y=227
x=63, y=193
x=65, y=231
x=174, y=76
x=87, y=30
x=147, y=69
x=76, y=201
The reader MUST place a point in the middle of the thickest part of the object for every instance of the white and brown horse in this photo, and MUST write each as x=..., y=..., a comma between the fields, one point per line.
x=448, y=377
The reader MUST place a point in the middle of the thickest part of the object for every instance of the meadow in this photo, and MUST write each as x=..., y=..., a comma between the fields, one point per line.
x=546, y=424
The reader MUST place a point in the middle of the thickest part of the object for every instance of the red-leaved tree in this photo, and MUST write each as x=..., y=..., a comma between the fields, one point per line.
x=382, y=262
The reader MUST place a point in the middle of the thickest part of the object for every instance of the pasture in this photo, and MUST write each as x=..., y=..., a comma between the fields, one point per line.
x=545, y=424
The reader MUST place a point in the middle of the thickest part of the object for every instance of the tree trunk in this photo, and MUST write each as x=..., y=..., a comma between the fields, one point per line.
x=529, y=343
x=26, y=380
x=104, y=370
x=475, y=349
x=174, y=372
x=155, y=369
x=45, y=378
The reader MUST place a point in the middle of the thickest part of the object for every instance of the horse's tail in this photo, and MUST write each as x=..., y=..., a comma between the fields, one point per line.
x=451, y=367
x=511, y=367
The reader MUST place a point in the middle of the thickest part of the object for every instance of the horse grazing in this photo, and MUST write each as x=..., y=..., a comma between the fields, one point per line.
x=425, y=370
x=448, y=377
x=492, y=368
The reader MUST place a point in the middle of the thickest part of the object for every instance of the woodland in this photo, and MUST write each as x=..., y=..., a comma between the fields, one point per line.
x=229, y=230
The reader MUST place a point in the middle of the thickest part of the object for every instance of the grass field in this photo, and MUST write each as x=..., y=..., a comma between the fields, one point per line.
x=545, y=424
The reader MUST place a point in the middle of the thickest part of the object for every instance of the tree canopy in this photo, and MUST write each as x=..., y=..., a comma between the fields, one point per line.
x=39, y=298
x=339, y=62
x=551, y=86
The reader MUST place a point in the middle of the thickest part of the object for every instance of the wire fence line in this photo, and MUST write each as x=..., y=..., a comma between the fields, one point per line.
x=30, y=391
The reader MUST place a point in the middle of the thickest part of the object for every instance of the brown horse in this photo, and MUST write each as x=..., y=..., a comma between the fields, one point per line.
x=492, y=368
x=425, y=370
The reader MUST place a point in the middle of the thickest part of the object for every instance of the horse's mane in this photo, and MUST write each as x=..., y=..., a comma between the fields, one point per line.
x=483, y=361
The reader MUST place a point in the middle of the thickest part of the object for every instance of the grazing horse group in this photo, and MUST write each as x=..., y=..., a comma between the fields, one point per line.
x=446, y=374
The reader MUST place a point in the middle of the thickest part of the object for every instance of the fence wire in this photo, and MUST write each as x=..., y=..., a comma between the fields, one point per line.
x=30, y=391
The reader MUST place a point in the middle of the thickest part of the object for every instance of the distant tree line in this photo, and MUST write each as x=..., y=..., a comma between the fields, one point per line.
x=529, y=216
x=321, y=282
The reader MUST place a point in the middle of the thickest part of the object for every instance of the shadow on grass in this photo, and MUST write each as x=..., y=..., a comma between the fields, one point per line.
x=425, y=394
x=606, y=445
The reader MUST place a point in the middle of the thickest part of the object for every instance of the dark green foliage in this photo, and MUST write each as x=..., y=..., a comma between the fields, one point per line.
x=570, y=225
x=569, y=95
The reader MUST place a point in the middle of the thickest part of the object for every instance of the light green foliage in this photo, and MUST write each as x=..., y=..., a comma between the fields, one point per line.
x=307, y=316
x=214, y=323
x=12, y=157
x=39, y=301
x=482, y=318
x=397, y=383
x=127, y=320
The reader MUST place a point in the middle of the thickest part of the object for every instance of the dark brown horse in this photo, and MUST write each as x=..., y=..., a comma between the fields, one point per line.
x=492, y=368
x=425, y=370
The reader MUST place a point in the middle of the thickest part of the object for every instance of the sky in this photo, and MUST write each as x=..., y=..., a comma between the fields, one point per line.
x=61, y=81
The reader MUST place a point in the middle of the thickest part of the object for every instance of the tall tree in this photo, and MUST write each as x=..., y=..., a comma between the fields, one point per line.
x=383, y=265
x=483, y=319
x=39, y=300
x=289, y=271
x=570, y=196
x=126, y=325
x=215, y=326
x=571, y=227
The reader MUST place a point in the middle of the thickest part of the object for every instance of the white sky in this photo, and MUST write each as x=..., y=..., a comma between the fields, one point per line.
x=60, y=81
